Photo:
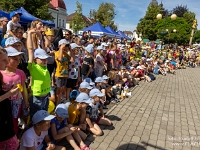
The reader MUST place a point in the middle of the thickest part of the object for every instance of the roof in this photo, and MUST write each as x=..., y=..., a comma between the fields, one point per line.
x=51, y=6
x=128, y=32
x=87, y=20
x=58, y=4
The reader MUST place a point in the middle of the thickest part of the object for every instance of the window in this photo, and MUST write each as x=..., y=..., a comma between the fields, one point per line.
x=59, y=24
x=63, y=23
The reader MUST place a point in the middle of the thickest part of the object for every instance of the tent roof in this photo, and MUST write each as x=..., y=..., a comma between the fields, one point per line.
x=112, y=31
x=97, y=27
x=123, y=35
x=27, y=17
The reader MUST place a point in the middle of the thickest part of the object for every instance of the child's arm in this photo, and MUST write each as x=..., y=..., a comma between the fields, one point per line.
x=30, y=46
x=13, y=91
x=25, y=96
x=89, y=121
x=101, y=111
x=58, y=136
x=90, y=69
x=50, y=145
x=60, y=56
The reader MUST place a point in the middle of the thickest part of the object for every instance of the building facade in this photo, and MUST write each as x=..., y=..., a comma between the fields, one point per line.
x=58, y=10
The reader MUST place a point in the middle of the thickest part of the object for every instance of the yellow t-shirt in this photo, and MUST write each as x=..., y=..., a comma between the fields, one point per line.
x=62, y=66
x=74, y=115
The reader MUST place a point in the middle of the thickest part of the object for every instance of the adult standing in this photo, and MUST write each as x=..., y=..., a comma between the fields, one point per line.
x=3, y=22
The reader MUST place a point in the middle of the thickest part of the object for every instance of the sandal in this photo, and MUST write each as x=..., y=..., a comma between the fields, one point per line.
x=86, y=148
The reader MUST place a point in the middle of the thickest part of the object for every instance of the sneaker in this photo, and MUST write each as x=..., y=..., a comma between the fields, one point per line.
x=114, y=101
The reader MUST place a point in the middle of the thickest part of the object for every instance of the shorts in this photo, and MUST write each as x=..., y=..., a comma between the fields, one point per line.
x=61, y=81
x=9, y=144
x=71, y=83
x=38, y=103
x=97, y=120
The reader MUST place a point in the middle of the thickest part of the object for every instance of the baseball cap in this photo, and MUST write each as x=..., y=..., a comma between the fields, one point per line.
x=88, y=80
x=100, y=48
x=85, y=85
x=73, y=94
x=99, y=79
x=74, y=45
x=41, y=54
x=96, y=92
x=63, y=41
x=139, y=67
x=105, y=77
x=49, y=32
x=62, y=110
x=41, y=115
x=12, y=51
x=83, y=98
x=13, y=13
x=89, y=48
x=11, y=41
x=104, y=44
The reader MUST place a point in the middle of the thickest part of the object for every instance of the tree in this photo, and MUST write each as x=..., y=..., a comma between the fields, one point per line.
x=77, y=21
x=196, y=38
x=149, y=22
x=180, y=10
x=37, y=8
x=182, y=34
x=105, y=15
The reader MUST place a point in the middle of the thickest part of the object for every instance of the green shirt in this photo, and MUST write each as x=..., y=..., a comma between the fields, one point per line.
x=40, y=77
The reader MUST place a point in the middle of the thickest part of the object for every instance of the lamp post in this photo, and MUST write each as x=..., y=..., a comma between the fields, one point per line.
x=165, y=31
x=192, y=34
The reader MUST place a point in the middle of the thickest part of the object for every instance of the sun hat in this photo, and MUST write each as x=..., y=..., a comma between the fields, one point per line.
x=62, y=110
x=88, y=80
x=100, y=48
x=96, y=92
x=41, y=115
x=85, y=85
x=12, y=51
x=89, y=48
x=104, y=44
x=99, y=79
x=105, y=77
x=73, y=94
x=74, y=45
x=41, y=54
x=63, y=41
x=11, y=41
x=13, y=13
x=83, y=98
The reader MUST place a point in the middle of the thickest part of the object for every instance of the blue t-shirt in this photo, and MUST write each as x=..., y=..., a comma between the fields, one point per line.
x=59, y=126
x=155, y=70
x=3, y=42
x=173, y=63
x=1, y=35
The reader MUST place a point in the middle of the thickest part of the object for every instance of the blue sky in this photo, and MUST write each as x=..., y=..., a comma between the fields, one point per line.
x=129, y=12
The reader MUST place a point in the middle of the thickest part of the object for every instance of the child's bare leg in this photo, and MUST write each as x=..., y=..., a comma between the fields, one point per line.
x=105, y=121
x=96, y=130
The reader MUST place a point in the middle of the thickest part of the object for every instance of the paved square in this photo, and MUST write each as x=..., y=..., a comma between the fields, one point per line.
x=163, y=115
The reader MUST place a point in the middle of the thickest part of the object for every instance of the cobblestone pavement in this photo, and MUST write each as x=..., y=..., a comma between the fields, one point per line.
x=162, y=115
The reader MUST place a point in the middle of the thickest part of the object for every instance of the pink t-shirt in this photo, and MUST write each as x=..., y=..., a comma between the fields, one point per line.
x=11, y=80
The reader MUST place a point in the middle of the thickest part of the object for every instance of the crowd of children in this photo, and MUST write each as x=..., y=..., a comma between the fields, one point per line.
x=57, y=86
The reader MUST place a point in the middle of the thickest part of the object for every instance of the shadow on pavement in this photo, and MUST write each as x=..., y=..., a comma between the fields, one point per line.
x=153, y=146
x=113, y=118
x=130, y=146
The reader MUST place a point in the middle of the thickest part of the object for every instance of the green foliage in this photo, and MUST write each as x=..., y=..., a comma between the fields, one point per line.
x=38, y=8
x=105, y=15
x=182, y=27
x=10, y=5
x=77, y=21
x=149, y=22
x=196, y=38
x=189, y=17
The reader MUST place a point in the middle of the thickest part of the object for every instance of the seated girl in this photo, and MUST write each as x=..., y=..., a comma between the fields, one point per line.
x=61, y=133
x=32, y=138
x=77, y=113
x=93, y=118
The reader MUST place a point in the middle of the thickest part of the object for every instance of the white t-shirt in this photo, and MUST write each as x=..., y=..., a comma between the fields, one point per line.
x=73, y=68
x=30, y=139
x=95, y=108
x=11, y=25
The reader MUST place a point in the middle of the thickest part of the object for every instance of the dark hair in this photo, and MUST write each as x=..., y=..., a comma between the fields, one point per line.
x=2, y=51
x=58, y=36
